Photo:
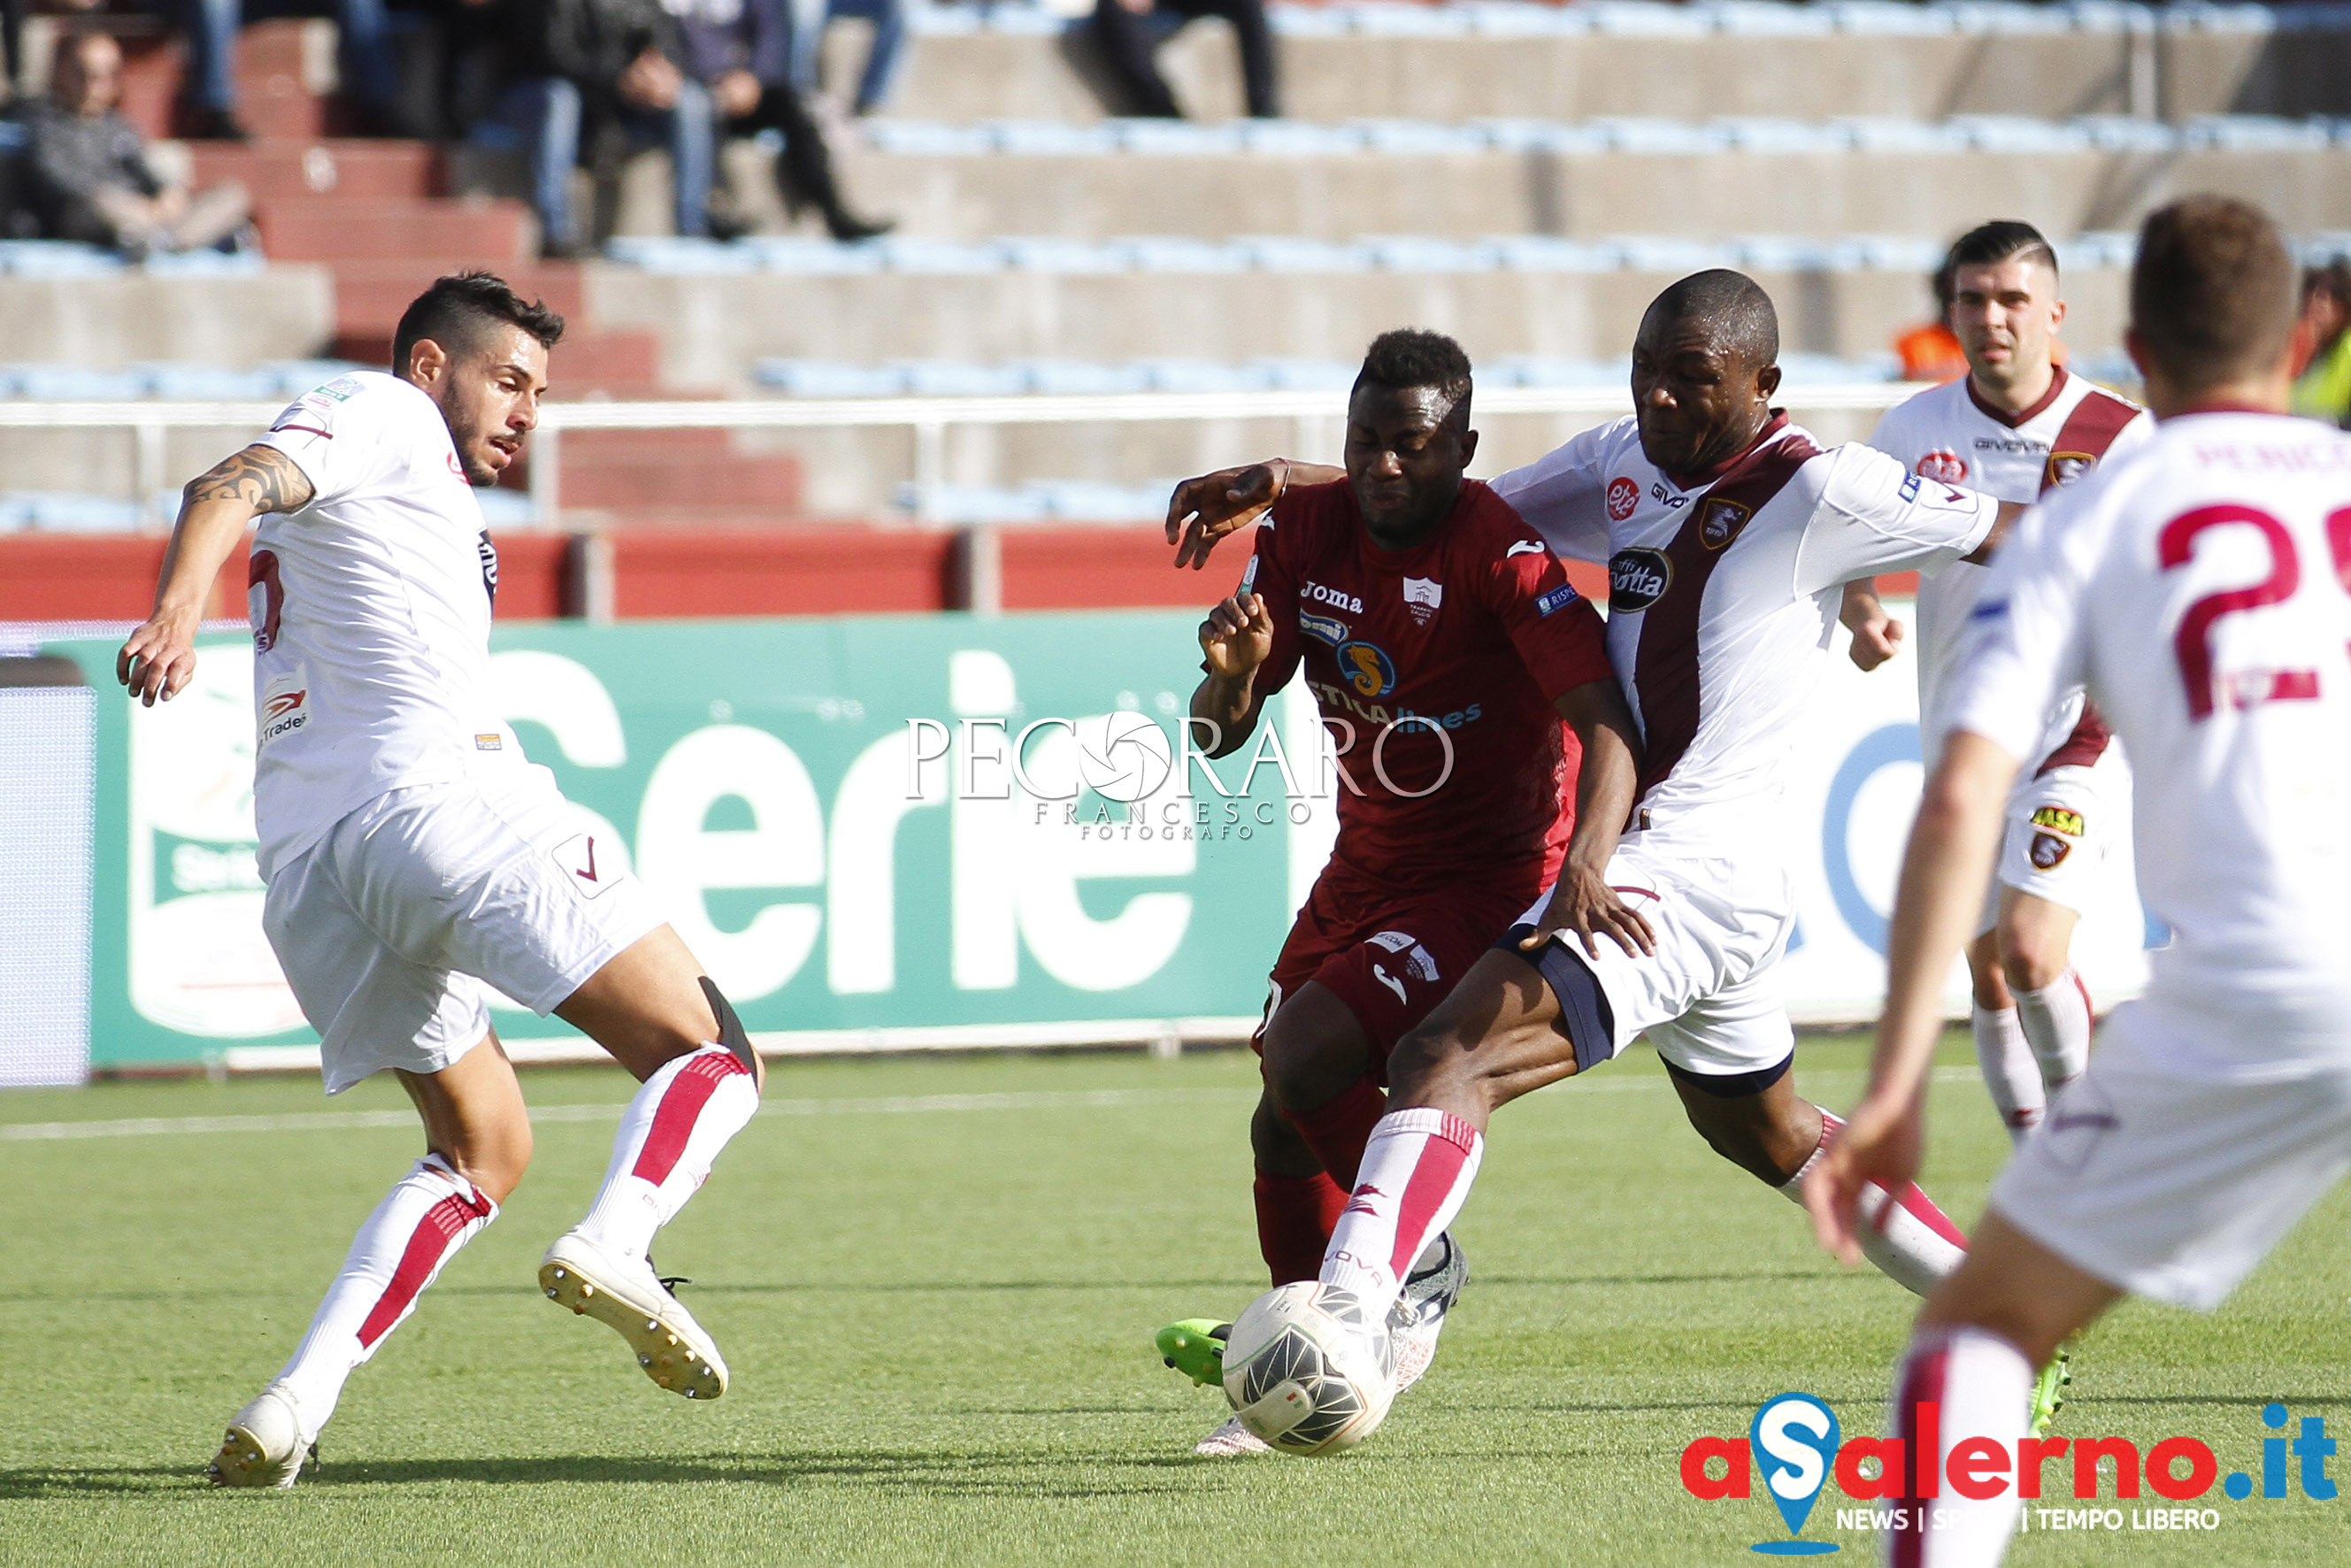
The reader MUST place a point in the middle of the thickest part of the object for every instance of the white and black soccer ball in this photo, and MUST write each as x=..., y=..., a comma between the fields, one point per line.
x=1310, y=1369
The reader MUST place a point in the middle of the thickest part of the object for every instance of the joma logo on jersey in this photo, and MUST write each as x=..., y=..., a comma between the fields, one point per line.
x=1332, y=597
x=2058, y=819
x=1322, y=628
x=1719, y=522
x=1637, y=578
x=2064, y=467
x=1367, y=669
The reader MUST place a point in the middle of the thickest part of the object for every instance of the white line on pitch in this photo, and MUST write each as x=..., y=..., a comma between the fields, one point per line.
x=882, y=1105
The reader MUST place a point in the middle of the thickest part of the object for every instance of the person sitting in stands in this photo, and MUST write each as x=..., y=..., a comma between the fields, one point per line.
x=1130, y=30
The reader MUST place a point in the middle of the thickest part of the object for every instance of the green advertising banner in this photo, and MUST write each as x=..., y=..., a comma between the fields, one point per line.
x=921, y=829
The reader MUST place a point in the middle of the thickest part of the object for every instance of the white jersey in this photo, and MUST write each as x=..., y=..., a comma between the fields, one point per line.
x=370, y=611
x=1948, y=433
x=1722, y=595
x=2198, y=591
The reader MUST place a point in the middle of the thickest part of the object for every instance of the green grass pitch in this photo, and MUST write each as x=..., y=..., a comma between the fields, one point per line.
x=936, y=1282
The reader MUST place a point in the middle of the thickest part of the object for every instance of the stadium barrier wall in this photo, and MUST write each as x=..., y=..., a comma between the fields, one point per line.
x=768, y=778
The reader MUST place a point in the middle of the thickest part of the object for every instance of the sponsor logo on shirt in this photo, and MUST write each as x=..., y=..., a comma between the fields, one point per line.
x=1624, y=495
x=489, y=743
x=1559, y=598
x=2058, y=819
x=285, y=705
x=1719, y=522
x=1422, y=595
x=1910, y=489
x=1335, y=598
x=1943, y=466
x=342, y=388
x=1322, y=628
x=2049, y=851
x=2064, y=467
x=1367, y=669
x=1637, y=578
x=1524, y=547
x=454, y=466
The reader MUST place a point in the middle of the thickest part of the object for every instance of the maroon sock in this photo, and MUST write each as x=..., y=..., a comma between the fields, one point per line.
x=1294, y=1216
x=1337, y=1132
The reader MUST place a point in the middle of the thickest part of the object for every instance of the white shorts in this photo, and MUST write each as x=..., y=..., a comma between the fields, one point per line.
x=2060, y=831
x=391, y=927
x=1709, y=998
x=2169, y=1186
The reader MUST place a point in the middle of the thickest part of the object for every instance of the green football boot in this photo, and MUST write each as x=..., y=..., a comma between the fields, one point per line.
x=2049, y=1391
x=1196, y=1348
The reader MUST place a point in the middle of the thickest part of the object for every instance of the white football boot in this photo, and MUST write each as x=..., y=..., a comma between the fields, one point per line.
x=265, y=1445
x=620, y=1291
x=1230, y=1439
x=1431, y=1290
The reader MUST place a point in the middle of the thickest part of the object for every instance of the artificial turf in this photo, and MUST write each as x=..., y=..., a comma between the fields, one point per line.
x=936, y=1282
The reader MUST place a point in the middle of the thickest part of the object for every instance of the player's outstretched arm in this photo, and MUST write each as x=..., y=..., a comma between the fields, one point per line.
x=1943, y=875
x=1206, y=509
x=159, y=657
x=1877, y=636
x=1235, y=639
x=1605, y=787
x=2002, y=527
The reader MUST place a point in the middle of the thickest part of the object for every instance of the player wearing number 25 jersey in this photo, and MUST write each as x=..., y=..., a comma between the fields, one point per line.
x=2203, y=593
x=414, y=861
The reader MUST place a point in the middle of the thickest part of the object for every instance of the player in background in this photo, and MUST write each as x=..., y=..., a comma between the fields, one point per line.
x=1729, y=535
x=2199, y=592
x=1460, y=677
x=2016, y=426
x=413, y=858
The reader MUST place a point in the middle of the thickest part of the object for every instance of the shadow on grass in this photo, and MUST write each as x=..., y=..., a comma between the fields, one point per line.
x=914, y=1471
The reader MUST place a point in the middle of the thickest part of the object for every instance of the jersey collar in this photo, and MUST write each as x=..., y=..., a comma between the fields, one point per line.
x=2057, y=379
x=1764, y=437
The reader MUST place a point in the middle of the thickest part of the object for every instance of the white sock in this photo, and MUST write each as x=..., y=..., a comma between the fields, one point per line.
x=2057, y=1023
x=2011, y=1071
x=428, y=1215
x=1912, y=1242
x=1978, y=1385
x=1416, y=1172
x=670, y=1136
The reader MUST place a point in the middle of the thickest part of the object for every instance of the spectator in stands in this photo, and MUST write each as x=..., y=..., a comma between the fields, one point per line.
x=1930, y=351
x=2324, y=389
x=883, y=58
x=1131, y=30
x=371, y=72
x=87, y=176
x=594, y=71
x=738, y=51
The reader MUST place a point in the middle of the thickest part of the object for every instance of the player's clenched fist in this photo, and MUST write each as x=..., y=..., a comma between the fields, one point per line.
x=1206, y=509
x=1237, y=637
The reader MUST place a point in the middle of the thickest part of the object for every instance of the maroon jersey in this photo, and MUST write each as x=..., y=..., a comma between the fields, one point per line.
x=1436, y=669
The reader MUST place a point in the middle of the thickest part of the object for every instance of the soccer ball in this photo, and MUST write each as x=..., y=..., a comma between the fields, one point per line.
x=1309, y=1369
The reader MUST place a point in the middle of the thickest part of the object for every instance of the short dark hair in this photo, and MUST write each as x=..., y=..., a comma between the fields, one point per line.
x=456, y=311
x=1410, y=358
x=1733, y=305
x=1988, y=245
x=2213, y=293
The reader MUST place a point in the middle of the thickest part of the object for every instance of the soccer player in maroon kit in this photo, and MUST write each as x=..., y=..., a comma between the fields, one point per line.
x=1461, y=676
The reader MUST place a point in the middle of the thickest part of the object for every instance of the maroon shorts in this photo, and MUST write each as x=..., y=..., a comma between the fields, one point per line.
x=1389, y=954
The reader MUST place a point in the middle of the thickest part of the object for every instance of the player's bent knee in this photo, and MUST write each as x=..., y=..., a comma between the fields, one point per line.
x=2030, y=962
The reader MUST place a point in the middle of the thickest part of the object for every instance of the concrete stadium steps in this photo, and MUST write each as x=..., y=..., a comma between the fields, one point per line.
x=2218, y=60
x=338, y=167
x=716, y=328
x=675, y=476
x=132, y=316
x=1338, y=197
x=359, y=228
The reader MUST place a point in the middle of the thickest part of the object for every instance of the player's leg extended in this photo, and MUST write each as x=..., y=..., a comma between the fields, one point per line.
x=652, y=1007
x=2011, y=1073
x=1759, y=1123
x=477, y=1135
x=2036, y=938
x=1980, y=1338
x=1319, y=1080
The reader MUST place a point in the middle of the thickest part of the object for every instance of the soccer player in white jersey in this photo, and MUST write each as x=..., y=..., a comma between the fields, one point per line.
x=1729, y=535
x=413, y=858
x=2017, y=425
x=2200, y=591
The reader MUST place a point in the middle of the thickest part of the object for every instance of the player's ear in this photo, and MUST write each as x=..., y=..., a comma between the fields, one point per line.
x=1767, y=382
x=2058, y=314
x=1468, y=447
x=428, y=362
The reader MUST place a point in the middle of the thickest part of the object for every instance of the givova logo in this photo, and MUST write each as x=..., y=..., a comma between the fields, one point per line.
x=1795, y=1447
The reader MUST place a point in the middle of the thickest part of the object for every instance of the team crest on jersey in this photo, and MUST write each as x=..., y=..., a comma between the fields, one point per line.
x=2049, y=851
x=2058, y=819
x=1422, y=595
x=2064, y=467
x=1637, y=578
x=1367, y=669
x=1624, y=495
x=1719, y=522
x=1322, y=629
x=1943, y=466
